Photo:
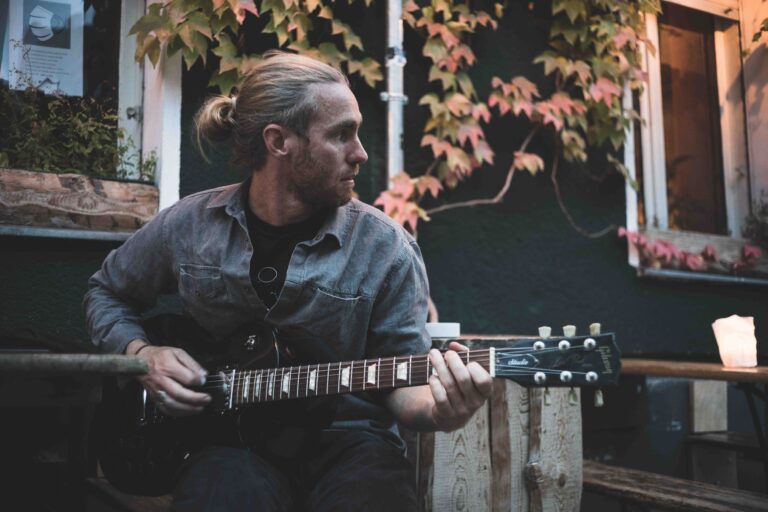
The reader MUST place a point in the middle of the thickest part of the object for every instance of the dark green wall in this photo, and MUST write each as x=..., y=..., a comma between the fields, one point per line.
x=42, y=283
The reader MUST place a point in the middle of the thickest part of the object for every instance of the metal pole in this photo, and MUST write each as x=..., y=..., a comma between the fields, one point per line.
x=394, y=96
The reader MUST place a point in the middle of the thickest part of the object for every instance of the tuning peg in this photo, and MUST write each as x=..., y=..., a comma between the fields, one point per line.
x=599, y=402
x=547, y=397
x=569, y=331
x=545, y=331
x=594, y=329
x=573, y=398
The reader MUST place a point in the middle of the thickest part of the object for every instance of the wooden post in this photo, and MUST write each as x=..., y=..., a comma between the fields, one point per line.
x=462, y=468
x=516, y=454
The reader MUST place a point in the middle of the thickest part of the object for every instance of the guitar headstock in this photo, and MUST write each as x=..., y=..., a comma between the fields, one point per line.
x=568, y=360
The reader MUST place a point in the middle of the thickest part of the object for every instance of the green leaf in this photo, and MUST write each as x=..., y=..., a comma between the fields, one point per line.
x=435, y=49
x=368, y=68
x=466, y=84
x=228, y=53
x=331, y=55
x=199, y=23
x=149, y=22
x=447, y=78
x=226, y=81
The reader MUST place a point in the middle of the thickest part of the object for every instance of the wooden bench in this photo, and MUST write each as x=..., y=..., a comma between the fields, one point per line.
x=641, y=487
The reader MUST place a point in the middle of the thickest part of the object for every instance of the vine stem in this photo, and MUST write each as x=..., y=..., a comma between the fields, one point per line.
x=564, y=209
x=500, y=195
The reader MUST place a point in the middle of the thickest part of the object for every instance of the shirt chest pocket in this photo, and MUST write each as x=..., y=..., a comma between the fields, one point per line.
x=328, y=313
x=200, y=282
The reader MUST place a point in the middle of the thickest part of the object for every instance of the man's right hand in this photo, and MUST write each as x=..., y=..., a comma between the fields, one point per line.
x=171, y=373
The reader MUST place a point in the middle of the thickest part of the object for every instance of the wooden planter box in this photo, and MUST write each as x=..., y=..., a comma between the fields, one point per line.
x=35, y=201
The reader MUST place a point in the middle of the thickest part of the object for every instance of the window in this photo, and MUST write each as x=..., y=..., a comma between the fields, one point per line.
x=690, y=156
x=79, y=59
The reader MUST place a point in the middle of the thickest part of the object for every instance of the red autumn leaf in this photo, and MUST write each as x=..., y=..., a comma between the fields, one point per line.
x=439, y=146
x=430, y=183
x=458, y=104
x=665, y=250
x=604, y=90
x=480, y=111
x=497, y=100
x=525, y=87
x=458, y=161
x=709, y=253
x=550, y=115
x=693, y=261
x=463, y=51
x=523, y=106
x=448, y=63
x=528, y=161
x=483, y=153
x=244, y=6
x=625, y=35
x=389, y=202
x=402, y=185
x=750, y=253
x=562, y=102
x=449, y=38
x=471, y=132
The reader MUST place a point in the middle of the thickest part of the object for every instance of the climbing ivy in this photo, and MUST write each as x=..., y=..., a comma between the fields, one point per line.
x=593, y=56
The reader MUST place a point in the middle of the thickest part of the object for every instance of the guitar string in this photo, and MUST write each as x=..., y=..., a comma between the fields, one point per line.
x=385, y=365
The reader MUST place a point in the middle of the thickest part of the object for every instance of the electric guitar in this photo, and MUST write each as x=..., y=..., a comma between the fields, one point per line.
x=261, y=402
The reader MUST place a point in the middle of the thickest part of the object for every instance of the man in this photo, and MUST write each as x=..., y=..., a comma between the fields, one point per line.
x=289, y=247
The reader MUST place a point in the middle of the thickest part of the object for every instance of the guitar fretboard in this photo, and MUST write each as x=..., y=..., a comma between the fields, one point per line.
x=315, y=380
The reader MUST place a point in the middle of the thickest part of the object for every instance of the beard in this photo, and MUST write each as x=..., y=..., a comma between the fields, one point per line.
x=318, y=186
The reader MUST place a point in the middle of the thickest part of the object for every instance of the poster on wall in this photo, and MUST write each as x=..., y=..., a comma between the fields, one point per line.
x=45, y=46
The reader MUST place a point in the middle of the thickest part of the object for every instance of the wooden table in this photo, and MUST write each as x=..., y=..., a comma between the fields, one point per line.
x=693, y=370
x=747, y=380
x=46, y=401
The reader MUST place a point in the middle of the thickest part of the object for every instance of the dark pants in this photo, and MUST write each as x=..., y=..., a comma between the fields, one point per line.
x=349, y=470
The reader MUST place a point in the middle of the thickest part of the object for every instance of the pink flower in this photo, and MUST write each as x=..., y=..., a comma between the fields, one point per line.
x=749, y=253
x=709, y=253
x=693, y=261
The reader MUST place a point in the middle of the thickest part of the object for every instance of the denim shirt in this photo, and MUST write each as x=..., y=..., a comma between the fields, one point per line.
x=357, y=290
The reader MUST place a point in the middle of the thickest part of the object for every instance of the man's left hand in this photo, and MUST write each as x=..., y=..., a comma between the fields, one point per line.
x=458, y=390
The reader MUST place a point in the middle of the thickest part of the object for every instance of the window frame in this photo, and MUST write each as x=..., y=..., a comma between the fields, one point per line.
x=737, y=174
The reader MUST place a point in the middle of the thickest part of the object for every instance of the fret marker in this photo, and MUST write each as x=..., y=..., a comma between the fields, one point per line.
x=372, y=374
x=402, y=371
x=345, y=377
x=245, y=387
x=257, y=385
x=271, y=384
x=313, y=380
x=287, y=383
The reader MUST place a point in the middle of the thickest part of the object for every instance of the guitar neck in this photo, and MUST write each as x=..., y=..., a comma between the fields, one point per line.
x=246, y=387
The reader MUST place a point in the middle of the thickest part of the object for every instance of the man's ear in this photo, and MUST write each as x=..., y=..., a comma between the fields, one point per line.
x=275, y=140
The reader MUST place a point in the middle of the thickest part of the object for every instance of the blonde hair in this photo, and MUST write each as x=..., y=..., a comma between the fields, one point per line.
x=274, y=90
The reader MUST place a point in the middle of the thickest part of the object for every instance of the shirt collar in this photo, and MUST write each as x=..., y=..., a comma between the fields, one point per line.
x=337, y=224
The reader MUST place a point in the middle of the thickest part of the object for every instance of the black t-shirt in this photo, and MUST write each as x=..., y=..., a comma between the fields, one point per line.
x=272, y=250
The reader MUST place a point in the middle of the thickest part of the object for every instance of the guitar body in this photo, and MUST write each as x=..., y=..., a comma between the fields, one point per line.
x=141, y=451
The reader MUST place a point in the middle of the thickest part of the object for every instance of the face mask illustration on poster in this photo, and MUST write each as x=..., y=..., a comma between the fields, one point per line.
x=43, y=46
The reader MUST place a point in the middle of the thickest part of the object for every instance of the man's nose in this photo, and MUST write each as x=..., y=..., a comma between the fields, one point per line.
x=358, y=155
